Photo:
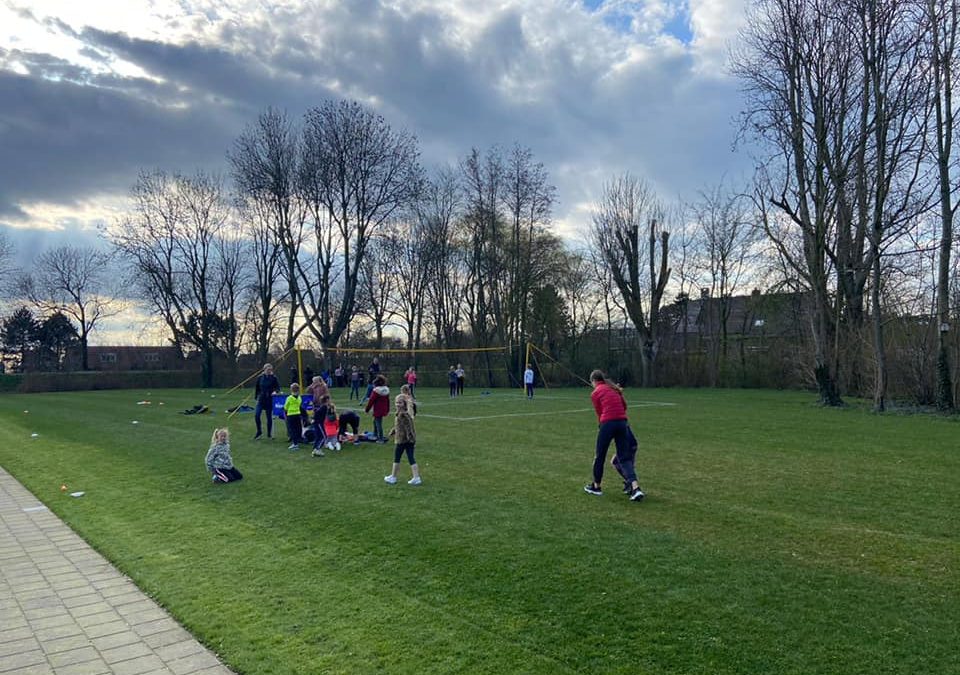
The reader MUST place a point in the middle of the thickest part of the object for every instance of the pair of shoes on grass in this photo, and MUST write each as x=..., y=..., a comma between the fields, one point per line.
x=635, y=495
x=392, y=480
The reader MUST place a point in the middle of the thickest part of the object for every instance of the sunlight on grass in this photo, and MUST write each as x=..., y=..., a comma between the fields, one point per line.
x=777, y=536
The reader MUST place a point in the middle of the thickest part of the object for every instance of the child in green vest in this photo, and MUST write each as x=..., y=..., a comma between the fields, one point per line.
x=293, y=409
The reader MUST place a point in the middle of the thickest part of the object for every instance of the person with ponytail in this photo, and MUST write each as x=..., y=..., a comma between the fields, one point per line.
x=611, y=407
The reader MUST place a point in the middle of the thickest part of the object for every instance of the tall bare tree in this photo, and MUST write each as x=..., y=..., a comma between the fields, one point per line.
x=527, y=201
x=171, y=243
x=356, y=173
x=379, y=278
x=264, y=297
x=627, y=232
x=796, y=70
x=265, y=161
x=728, y=238
x=941, y=24
x=74, y=281
x=438, y=211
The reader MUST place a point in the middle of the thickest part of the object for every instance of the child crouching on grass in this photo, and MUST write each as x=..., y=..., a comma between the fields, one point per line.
x=219, y=462
x=406, y=439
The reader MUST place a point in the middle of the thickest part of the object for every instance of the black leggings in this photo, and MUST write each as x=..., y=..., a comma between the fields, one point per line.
x=227, y=475
x=617, y=431
x=399, y=450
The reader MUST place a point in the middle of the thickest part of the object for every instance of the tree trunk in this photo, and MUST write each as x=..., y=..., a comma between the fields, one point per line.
x=880, y=385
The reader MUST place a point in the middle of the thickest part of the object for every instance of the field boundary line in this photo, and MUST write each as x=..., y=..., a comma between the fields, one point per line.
x=648, y=404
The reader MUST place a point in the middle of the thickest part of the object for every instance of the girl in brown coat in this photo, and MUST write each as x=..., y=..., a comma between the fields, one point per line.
x=406, y=439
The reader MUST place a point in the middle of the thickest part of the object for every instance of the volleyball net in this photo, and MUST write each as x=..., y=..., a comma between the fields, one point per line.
x=481, y=367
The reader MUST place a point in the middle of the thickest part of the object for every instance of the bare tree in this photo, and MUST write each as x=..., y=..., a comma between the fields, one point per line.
x=7, y=252
x=264, y=297
x=796, y=70
x=728, y=239
x=941, y=24
x=378, y=282
x=626, y=232
x=265, y=171
x=171, y=243
x=411, y=248
x=356, y=174
x=483, y=190
x=527, y=200
x=73, y=281
x=438, y=210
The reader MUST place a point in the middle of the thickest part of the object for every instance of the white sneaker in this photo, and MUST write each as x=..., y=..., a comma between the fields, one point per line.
x=338, y=446
x=414, y=481
x=390, y=479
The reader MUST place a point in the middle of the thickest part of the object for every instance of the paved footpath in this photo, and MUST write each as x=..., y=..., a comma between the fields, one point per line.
x=64, y=609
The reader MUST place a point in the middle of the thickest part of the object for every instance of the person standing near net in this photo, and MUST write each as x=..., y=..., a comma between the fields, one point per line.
x=528, y=381
x=611, y=407
x=411, y=376
x=461, y=376
x=267, y=385
x=354, y=382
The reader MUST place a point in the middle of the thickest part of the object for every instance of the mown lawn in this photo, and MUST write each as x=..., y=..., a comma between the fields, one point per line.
x=777, y=536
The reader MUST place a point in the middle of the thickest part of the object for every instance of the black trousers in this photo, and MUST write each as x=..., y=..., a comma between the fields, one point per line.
x=295, y=428
x=616, y=431
x=227, y=475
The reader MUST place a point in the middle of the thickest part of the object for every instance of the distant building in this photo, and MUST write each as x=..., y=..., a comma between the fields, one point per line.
x=134, y=358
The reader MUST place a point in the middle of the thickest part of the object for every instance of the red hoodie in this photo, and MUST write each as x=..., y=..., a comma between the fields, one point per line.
x=609, y=403
x=379, y=401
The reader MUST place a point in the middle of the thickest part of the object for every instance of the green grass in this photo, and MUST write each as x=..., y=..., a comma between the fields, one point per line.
x=777, y=536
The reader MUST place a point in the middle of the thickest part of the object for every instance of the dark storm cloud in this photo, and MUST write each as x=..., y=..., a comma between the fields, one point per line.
x=67, y=133
x=64, y=140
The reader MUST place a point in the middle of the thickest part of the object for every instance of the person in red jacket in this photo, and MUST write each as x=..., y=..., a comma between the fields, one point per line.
x=611, y=407
x=379, y=401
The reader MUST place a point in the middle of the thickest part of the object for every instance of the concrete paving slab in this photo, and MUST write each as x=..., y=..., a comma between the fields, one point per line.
x=66, y=610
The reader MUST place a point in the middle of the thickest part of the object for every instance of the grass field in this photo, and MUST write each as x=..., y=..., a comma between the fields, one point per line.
x=777, y=536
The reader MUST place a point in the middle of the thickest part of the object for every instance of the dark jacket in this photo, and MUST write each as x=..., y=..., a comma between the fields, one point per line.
x=266, y=385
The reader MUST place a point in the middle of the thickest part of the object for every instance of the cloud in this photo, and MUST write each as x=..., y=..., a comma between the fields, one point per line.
x=589, y=95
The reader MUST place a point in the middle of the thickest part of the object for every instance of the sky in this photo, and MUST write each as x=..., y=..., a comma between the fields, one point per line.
x=93, y=92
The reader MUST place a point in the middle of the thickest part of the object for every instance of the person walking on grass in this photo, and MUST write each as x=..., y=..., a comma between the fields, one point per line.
x=219, y=461
x=267, y=385
x=528, y=381
x=295, y=413
x=379, y=402
x=405, y=434
x=611, y=407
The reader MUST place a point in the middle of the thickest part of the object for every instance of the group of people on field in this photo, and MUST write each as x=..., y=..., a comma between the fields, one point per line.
x=329, y=428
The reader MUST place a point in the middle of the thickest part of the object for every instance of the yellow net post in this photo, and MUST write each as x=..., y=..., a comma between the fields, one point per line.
x=299, y=369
